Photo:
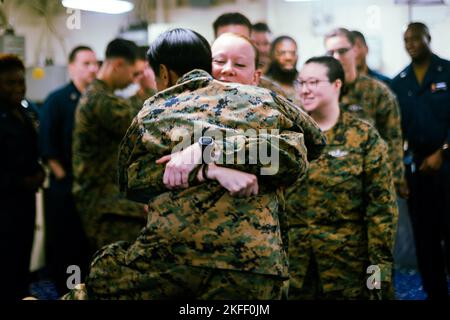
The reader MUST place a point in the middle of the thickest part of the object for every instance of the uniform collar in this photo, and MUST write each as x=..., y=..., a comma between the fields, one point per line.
x=351, y=86
x=5, y=112
x=435, y=66
x=194, y=74
x=100, y=85
x=336, y=135
x=73, y=89
x=74, y=93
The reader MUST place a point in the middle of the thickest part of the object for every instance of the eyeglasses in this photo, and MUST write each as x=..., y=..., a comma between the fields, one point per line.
x=340, y=51
x=311, y=83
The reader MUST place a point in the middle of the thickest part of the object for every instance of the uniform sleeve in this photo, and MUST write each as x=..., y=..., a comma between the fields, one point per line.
x=284, y=159
x=270, y=85
x=9, y=180
x=137, y=102
x=447, y=138
x=141, y=178
x=389, y=127
x=447, y=152
x=114, y=114
x=48, y=130
x=13, y=177
x=278, y=158
x=298, y=141
x=314, y=138
x=381, y=206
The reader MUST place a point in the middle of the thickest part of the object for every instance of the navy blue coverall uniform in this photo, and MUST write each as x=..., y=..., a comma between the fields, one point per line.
x=425, y=110
x=65, y=243
x=18, y=160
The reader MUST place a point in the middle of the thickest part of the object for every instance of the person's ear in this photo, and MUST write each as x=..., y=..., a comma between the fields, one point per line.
x=70, y=68
x=117, y=63
x=338, y=84
x=173, y=78
x=256, y=77
x=164, y=75
x=366, y=48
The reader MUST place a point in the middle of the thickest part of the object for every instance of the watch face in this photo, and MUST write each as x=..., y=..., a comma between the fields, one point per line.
x=206, y=141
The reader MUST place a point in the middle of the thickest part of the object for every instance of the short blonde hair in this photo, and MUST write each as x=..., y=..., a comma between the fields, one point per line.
x=239, y=36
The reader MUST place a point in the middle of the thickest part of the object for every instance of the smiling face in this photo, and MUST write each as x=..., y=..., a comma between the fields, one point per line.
x=233, y=60
x=316, y=91
x=285, y=54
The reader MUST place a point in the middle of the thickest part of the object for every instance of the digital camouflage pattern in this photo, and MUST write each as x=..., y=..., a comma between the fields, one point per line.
x=101, y=121
x=163, y=280
x=344, y=213
x=271, y=84
x=77, y=293
x=265, y=82
x=203, y=226
x=371, y=100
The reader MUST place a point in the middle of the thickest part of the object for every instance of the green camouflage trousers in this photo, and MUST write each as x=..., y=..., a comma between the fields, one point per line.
x=312, y=289
x=113, y=277
x=112, y=228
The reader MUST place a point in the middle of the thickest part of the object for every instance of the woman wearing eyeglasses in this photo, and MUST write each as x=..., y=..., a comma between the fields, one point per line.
x=343, y=216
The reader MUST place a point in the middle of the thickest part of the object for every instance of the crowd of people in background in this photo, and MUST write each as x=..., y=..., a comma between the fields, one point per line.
x=145, y=220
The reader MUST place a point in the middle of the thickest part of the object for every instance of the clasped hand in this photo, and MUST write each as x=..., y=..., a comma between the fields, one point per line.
x=180, y=164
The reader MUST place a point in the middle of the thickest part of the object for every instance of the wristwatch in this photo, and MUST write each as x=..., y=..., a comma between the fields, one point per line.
x=445, y=146
x=204, y=143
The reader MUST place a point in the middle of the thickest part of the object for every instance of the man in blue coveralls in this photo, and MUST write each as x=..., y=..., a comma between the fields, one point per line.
x=423, y=91
x=65, y=242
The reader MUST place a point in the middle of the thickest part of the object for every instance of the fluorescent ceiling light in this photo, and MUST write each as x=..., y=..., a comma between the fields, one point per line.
x=104, y=6
x=420, y=2
x=300, y=0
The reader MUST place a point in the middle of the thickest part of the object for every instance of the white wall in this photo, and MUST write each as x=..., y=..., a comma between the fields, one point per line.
x=292, y=18
x=96, y=30
x=295, y=18
x=201, y=19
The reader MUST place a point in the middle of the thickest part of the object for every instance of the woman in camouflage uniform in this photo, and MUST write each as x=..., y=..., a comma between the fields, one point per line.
x=214, y=231
x=342, y=217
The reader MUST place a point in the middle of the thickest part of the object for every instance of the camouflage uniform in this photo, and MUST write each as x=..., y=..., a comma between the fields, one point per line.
x=101, y=121
x=271, y=84
x=373, y=101
x=267, y=83
x=202, y=230
x=342, y=216
x=157, y=280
